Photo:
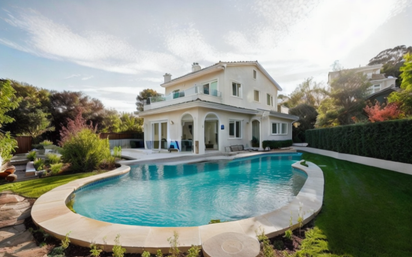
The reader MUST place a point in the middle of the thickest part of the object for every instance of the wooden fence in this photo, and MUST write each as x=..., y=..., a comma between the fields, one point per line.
x=24, y=144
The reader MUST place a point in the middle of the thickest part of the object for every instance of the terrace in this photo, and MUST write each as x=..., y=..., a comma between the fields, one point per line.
x=202, y=92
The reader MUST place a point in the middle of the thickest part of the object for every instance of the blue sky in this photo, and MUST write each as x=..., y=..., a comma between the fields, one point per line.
x=111, y=50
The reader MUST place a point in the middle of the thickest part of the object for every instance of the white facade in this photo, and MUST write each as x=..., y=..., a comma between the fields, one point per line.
x=373, y=73
x=228, y=103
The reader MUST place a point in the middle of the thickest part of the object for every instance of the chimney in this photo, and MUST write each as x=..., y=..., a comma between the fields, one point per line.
x=195, y=66
x=168, y=77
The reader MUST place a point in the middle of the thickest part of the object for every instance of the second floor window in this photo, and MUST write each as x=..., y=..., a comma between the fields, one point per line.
x=256, y=95
x=236, y=89
x=375, y=88
x=254, y=74
x=269, y=99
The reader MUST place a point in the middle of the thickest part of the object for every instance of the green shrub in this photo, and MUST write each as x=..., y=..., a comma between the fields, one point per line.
x=53, y=158
x=288, y=234
x=46, y=142
x=117, y=151
x=85, y=151
x=275, y=144
x=65, y=241
x=145, y=254
x=56, y=168
x=174, y=245
x=380, y=140
x=38, y=164
x=118, y=250
x=314, y=244
x=31, y=155
x=267, y=248
x=193, y=251
x=94, y=251
x=7, y=146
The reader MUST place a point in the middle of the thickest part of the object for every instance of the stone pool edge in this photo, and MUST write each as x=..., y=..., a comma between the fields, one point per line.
x=51, y=214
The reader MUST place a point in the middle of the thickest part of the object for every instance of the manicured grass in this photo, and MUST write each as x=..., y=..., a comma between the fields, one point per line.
x=36, y=187
x=366, y=211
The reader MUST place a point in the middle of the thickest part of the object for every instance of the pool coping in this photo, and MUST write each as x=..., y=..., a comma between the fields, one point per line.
x=51, y=214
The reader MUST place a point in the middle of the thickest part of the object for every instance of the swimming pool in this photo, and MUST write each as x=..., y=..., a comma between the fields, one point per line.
x=193, y=194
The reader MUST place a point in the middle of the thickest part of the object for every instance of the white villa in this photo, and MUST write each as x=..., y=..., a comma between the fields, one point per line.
x=373, y=73
x=225, y=104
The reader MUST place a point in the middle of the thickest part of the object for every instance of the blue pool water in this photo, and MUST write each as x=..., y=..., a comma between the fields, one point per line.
x=193, y=194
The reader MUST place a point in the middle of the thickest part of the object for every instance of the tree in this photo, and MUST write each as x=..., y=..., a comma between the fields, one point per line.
x=143, y=96
x=347, y=92
x=307, y=118
x=309, y=92
x=380, y=112
x=32, y=117
x=404, y=97
x=111, y=122
x=130, y=123
x=392, y=60
x=67, y=105
x=8, y=101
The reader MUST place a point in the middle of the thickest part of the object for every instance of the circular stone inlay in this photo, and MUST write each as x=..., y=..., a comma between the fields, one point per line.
x=232, y=246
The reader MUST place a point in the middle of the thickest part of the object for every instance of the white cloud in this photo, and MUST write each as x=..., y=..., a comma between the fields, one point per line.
x=189, y=44
x=88, y=77
x=156, y=80
x=88, y=48
x=72, y=76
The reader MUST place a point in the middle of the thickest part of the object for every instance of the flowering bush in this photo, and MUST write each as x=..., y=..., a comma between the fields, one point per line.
x=380, y=112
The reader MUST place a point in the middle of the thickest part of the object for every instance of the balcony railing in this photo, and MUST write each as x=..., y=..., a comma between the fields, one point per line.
x=181, y=96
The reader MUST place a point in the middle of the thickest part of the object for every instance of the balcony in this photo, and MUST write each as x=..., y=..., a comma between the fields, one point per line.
x=190, y=94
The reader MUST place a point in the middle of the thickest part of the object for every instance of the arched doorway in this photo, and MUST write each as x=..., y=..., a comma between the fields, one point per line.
x=256, y=133
x=187, y=133
x=211, y=132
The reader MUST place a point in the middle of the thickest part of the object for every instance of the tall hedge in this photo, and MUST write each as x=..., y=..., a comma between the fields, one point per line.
x=388, y=140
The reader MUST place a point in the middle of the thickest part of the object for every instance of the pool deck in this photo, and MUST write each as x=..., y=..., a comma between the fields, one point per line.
x=51, y=213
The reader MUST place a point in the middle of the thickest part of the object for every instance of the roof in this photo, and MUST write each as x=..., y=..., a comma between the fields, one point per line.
x=218, y=67
x=360, y=69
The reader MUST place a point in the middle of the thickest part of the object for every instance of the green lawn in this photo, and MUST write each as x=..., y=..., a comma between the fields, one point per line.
x=366, y=211
x=36, y=187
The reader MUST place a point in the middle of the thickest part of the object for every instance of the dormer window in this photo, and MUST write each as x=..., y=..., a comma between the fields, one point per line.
x=236, y=89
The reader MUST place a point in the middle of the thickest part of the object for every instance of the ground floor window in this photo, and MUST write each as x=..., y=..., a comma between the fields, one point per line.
x=279, y=128
x=235, y=129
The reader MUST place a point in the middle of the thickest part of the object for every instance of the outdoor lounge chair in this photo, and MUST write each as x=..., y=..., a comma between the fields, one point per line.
x=7, y=170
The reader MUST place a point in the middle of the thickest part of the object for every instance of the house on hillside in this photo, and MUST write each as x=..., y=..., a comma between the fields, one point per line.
x=381, y=87
x=225, y=104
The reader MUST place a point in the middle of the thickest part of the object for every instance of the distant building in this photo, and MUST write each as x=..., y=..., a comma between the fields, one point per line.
x=381, y=86
x=225, y=104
